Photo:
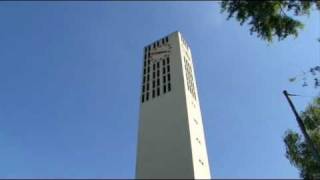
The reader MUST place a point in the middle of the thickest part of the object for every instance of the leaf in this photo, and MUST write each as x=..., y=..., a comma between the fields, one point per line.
x=292, y=79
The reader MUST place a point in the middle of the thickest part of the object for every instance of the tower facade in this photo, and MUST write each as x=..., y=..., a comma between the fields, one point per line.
x=171, y=140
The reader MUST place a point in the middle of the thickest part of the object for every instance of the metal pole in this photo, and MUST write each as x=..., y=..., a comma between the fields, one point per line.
x=303, y=128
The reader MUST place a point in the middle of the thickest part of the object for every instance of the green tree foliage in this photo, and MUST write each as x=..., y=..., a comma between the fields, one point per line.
x=274, y=19
x=298, y=151
x=313, y=72
x=269, y=19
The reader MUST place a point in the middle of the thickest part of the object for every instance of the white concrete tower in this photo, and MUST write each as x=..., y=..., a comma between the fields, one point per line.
x=171, y=140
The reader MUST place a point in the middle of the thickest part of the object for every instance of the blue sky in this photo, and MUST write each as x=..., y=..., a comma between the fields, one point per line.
x=70, y=84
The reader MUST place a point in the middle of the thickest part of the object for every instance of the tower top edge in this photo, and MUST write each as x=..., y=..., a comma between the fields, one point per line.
x=165, y=36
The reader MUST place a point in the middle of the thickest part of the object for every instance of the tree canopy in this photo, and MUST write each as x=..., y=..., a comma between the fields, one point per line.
x=269, y=19
x=298, y=151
